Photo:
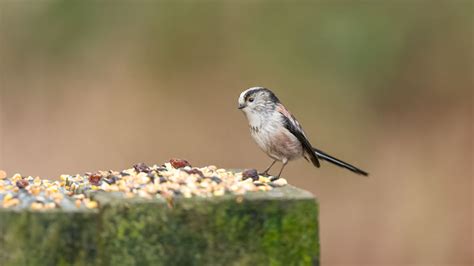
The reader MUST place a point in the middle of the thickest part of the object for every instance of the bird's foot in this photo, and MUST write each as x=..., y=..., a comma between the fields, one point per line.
x=273, y=178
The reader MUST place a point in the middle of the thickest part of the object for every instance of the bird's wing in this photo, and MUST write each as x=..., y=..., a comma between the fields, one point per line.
x=295, y=128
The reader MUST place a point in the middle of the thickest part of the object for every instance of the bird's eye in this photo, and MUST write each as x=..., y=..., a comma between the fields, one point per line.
x=251, y=99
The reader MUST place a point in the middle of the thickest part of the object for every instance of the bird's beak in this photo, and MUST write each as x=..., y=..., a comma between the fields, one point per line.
x=242, y=106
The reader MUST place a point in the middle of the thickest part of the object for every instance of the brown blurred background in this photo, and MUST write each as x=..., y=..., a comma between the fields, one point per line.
x=384, y=85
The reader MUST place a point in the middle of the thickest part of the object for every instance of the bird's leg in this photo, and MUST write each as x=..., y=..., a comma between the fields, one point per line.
x=265, y=173
x=282, y=167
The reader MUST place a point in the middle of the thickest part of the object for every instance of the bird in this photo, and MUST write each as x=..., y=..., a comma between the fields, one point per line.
x=277, y=132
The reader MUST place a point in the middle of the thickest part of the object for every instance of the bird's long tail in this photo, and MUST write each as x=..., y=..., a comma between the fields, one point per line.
x=326, y=157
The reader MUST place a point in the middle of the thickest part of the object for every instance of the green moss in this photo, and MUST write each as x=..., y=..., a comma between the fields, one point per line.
x=47, y=238
x=257, y=231
x=273, y=228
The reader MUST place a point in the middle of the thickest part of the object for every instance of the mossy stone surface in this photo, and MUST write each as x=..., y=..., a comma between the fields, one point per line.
x=48, y=238
x=278, y=227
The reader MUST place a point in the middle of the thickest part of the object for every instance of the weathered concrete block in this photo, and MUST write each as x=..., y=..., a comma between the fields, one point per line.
x=278, y=227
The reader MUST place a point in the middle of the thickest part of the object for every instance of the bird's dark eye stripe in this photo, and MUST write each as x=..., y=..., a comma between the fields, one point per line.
x=247, y=96
x=254, y=91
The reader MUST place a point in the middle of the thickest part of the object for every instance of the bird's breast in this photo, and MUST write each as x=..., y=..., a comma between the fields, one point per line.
x=276, y=141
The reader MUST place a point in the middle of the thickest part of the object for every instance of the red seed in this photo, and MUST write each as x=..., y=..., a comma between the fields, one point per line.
x=95, y=178
x=22, y=183
x=179, y=163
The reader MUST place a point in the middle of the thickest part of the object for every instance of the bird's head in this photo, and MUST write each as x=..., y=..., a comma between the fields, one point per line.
x=257, y=99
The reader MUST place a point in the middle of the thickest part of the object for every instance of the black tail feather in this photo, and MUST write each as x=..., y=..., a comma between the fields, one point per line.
x=326, y=157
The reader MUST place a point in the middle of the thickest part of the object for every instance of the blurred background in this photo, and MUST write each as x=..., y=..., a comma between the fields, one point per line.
x=385, y=85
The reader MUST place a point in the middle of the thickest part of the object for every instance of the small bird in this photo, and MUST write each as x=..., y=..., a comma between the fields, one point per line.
x=278, y=133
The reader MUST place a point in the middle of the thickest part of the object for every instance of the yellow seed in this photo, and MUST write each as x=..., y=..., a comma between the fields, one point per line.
x=36, y=206
x=11, y=203
x=3, y=174
x=37, y=181
x=57, y=196
x=7, y=197
x=35, y=190
x=52, y=190
x=113, y=188
x=91, y=204
x=16, y=177
x=219, y=192
x=50, y=205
